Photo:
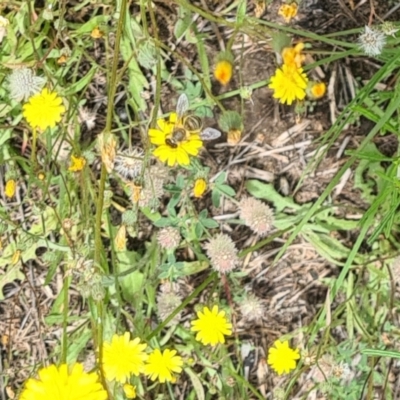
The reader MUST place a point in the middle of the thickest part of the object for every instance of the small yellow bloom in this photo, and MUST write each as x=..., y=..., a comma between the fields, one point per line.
x=162, y=365
x=289, y=84
x=223, y=72
x=288, y=11
x=43, y=110
x=120, y=238
x=178, y=153
x=123, y=357
x=61, y=383
x=11, y=186
x=77, y=164
x=97, y=33
x=130, y=391
x=282, y=358
x=316, y=90
x=211, y=326
x=62, y=60
x=200, y=187
x=292, y=55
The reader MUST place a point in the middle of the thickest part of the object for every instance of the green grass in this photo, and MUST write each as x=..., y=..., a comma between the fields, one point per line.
x=78, y=285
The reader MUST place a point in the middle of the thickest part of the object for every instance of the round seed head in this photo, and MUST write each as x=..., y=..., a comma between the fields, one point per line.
x=169, y=238
x=256, y=215
x=222, y=253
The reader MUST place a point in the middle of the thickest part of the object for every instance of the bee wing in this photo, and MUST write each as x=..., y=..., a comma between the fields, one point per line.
x=182, y=105
x=210, y=134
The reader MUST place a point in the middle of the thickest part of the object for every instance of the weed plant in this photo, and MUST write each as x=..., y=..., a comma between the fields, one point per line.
x=128, y=264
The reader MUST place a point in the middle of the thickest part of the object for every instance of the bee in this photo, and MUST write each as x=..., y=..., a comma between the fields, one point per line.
x=188, y=124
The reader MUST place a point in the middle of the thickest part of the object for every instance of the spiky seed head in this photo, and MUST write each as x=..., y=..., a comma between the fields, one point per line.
x=257, y=215
x=167, y=301
x=252, y=308
x=23, y=84
x=372, y=41
x=222, y=253
x=169, y=238
x=129, y=163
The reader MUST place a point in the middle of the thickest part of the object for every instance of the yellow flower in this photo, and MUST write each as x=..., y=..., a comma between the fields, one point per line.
x=162, y=365
x=61, y=383
x=179, y=152
x=289, y=84
x=282, y=358
x=316, y=90
x=288, y=11
x=77, y=164
x=43, y=110
x=211, y=326
x=223, y=72
x=200, y=187
x=123, y=357
x=11, y=186
x=97, y=33
x=292, y=56
x=130, y=391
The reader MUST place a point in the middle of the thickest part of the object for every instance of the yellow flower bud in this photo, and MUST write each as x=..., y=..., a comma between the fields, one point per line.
x=11, y=186
x=130, y=391
x=223, y=72
x=200, y=187
x=316, y=90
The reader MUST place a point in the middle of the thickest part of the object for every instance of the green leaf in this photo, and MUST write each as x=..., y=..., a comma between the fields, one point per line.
x=210, y=223
x=227, y=190
x=267, y=191
x=132, y=283
x=216, y=198
x=163, y=222
x=81, y=84
x=197, y=385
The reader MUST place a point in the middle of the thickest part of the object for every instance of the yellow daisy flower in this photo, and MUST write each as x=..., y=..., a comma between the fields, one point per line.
x=211, y=326
x=63, y=383
x=288, y=11
x=43, y=110
x=200, y=186
x=162, y=365
x=123, y=357
x=77, y=164
x=10, y=188
x=180, y=152
x=282, y=358
x=223, y=72
x=289, y=84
